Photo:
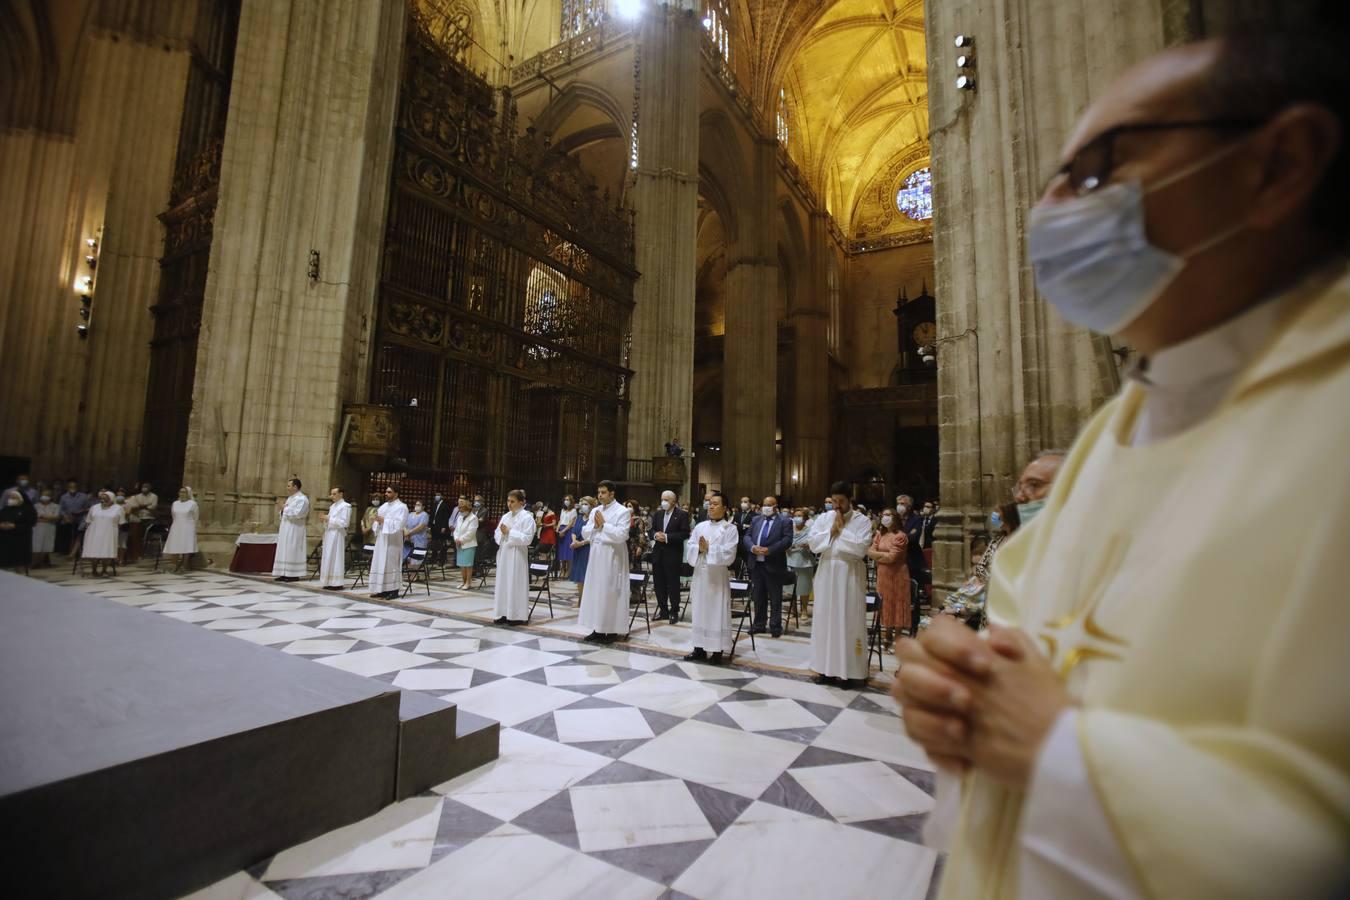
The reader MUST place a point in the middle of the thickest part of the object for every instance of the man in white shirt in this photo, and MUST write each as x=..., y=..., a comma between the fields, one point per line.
x=333, y=568
x=604, y=606
x=289, y=562
x=840, y=538
x=511, y=590
x=140, y=516
x=710, y=550
x=386, y=563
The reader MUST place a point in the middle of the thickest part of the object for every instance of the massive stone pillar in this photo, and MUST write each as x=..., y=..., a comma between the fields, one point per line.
x=305, y=167
x=806, y=454
x=750, y=349
x=104, y=171
x=665, y=197
x=1013, y=378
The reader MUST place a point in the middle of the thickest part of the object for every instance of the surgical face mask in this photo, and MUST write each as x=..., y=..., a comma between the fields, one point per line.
x=798, y=521
x=477, y=504
x=45, y=498
x=887, y=520
x=745, y=506
x=766, y=511
x=439, y=498
x=707, y=504
x=995, y=520
x=829, y=506
x=567, y=504
x=1029, y=510
x=665, y=504
x=374, y=502
x=927, y=511
x=585, y=508
x=417, y=507
x=23, y=482
x=121, y=498
x=1093, y=259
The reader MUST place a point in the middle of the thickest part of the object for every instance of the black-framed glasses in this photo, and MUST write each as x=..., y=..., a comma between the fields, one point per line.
x=1091, y=166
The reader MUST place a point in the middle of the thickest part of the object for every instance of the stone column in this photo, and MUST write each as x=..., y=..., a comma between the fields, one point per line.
x=750, y=349
x=807, y=443
x=306, y=159
x=665, y=197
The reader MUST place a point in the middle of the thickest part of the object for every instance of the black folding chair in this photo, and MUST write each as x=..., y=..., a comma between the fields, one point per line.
x=637, y=586
x=540, y=572
x=484, y=561
x=315, y=561
x=414, y=570
x=363, y=564
x=874, y=639
x=741, y=589
x=153, y=542
x=915, y=604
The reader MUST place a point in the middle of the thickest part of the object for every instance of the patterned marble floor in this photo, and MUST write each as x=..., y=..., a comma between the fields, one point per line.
x=624, y=772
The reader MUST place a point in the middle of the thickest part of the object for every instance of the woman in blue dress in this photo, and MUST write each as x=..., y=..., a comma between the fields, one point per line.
x=581, y=549
x=416, y=530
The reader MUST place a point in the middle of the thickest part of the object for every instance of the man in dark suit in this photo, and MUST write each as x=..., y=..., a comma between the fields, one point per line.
x=765, y=543
x=441, y=524
x=670, y=529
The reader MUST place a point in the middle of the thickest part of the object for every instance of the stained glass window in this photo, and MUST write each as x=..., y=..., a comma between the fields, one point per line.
x=782, y=117
x=717, y=22
x=579, y=15
x=915, y=197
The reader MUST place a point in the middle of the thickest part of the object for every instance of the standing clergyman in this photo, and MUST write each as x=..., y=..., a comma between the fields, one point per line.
x=333, y=568
x=840, y=537
x=289, y=562
x=386, y=562
x=604, y=606
x=711, y=548
x=511, y=592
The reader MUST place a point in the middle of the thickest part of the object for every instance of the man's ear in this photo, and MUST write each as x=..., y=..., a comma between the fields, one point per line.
x=1300, y=143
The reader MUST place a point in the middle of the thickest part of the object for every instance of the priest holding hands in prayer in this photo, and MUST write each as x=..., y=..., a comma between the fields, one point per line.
x=511, y=592
x=710, y=550
x=840, y=538
x=333, y=567
x=289, y=562
x=604, y=606
x=1154, y=714
x=387, y=560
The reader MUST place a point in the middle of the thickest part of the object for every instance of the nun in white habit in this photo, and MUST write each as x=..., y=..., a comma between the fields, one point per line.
x=182, y=540
x=386, y=564
x=333, y=568
x=511, y=592
x=101, y=531
x=289, y=563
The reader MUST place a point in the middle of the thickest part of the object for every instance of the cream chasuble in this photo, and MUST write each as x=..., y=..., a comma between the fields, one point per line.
x=1206, y=648
x=839, y=619
x=386, y=563
x=511, y=591
x=333, y=568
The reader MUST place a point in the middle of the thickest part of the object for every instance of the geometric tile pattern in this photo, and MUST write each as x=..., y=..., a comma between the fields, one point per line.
x=622, y=773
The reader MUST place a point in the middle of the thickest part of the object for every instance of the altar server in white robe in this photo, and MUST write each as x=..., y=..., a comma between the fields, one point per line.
x=840, y=538
x=386, y=564
x=182, y=540
x=101, y=532
x=289, y=563
x=711, y=548
x=511, y=592
x=333, y=567
x=604, y=607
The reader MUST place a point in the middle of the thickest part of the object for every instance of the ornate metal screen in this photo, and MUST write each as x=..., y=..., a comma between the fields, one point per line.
x=506, y=292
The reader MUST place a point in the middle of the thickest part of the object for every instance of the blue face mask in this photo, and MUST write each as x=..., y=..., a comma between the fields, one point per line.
x=1029, y=510
x=1093, y=259
x=995, y=520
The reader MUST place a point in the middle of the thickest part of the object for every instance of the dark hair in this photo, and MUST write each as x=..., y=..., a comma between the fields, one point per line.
x=392, y=487
x=842, y=488
x=338, y=488
x=516, y=494
x=294, y=481
x=1259, y=72
x=608, y=485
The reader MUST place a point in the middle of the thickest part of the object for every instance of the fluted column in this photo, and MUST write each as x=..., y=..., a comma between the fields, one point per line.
x=305, y=166
x=665, y=197
x=806, y=442
x=750, y=349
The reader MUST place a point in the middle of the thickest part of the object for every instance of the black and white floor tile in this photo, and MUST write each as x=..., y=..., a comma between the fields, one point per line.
x=623, y=772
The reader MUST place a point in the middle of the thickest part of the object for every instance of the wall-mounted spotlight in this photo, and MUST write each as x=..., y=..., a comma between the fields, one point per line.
x=965, y=62
x=85, y=284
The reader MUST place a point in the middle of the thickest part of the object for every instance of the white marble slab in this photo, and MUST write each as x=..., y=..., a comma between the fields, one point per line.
x=613, y=816
x=667, y=694
x=735, y=761
x=769, y=715
x=376, y=661
x=435, y=679
x=528, y=771
x=873, y=735
x=855, y=792
x=400, y=836
x=511, y=701
x=509, y=660
x=617, y=723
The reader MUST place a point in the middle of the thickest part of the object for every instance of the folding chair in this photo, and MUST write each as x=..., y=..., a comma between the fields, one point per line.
x=540, y=572
x=315, y=560
x=874, y=632
x=484, y=564
x=745, y=614
x=363, y=564
x=439, y=554
x=915, y=604
x=793, y=608
x=415, y=570
x=637, y=586
x=155, y=537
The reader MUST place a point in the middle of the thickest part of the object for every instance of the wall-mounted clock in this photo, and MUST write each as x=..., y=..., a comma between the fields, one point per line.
x=925, y=334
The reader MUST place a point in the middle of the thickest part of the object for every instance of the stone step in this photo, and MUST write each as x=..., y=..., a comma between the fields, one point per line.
x=438, y=742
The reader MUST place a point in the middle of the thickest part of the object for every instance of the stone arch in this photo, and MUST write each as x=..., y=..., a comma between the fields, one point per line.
x=721, y=165
x=579, y=94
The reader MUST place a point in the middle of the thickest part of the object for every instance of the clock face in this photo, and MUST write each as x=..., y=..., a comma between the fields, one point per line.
x=925, y=333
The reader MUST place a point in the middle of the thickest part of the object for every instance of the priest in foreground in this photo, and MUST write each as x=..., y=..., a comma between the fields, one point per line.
x=511, y=590
x=840, y=538
x=1162, y=706
x=386, y=563
x=289, y=562
x=711, y=548
x=333, y=564
x=604, y=606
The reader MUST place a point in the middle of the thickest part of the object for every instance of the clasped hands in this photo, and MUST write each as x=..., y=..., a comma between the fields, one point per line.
x=974, y=703
x=760, y=551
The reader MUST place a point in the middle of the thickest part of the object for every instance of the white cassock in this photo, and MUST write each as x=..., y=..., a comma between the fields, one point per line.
x=511, y=591
x=100, y=534
x=290, y=559
x=839, y=622
x=386, y=565
x=333, y=568
x=710, y=590
x=183, y=531
x=604, y=606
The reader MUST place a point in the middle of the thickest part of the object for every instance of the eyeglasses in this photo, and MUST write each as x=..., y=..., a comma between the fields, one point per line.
x=1091, y=166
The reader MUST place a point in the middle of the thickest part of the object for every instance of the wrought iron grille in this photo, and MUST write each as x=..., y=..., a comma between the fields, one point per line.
x=506, y=293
